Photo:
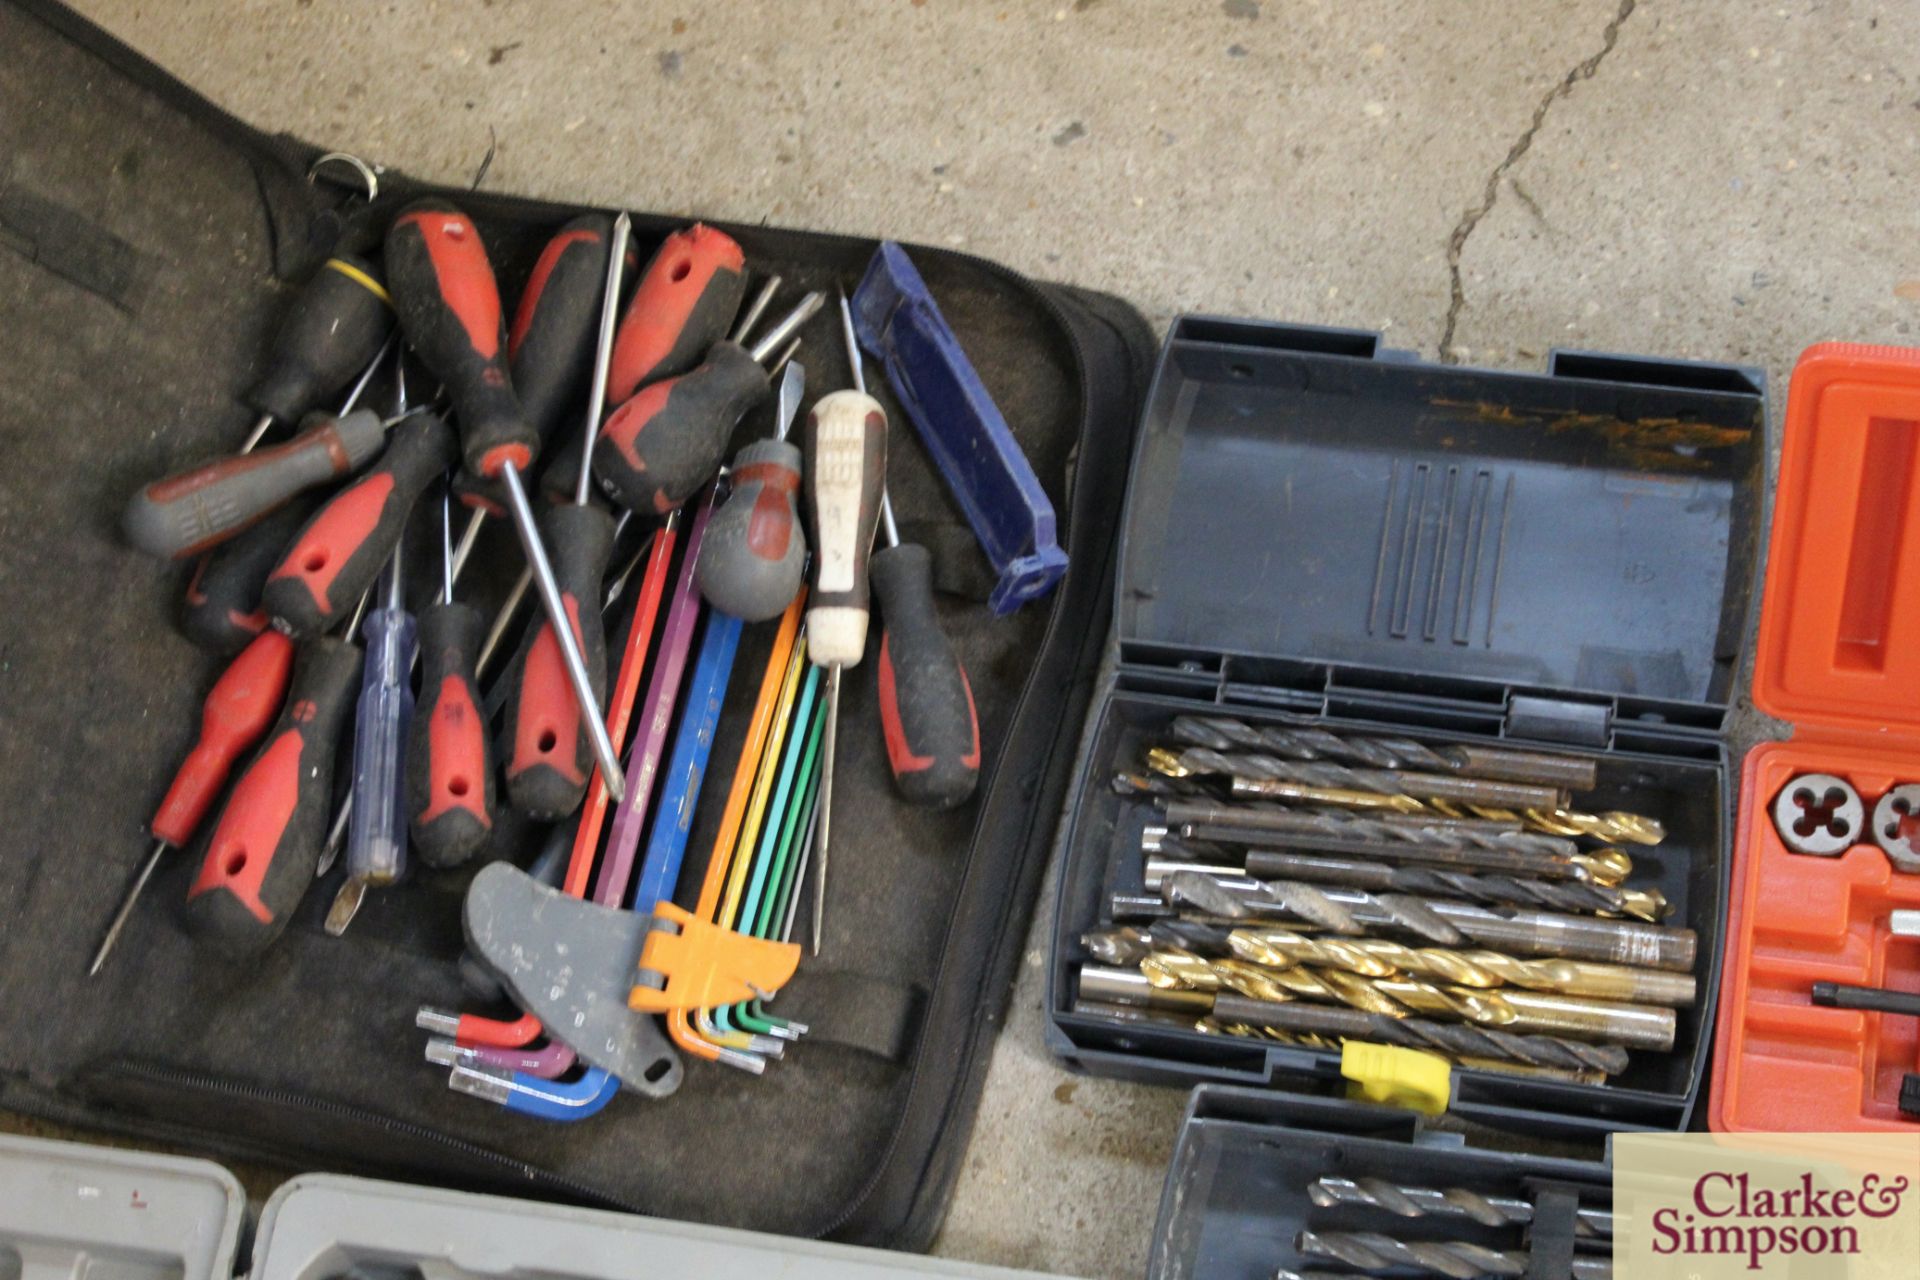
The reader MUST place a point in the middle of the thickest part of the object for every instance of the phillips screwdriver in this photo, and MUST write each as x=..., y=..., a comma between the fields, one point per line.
x=377, y=832
x=449, y=307
x=337, y=321
x=846, y=469
x=337, y=556
x=658, y=448
x=756, y=552
x=449, y=763
x=927, y=715
x=688, y=293
x=551, y=754
x=266, y=843
x=237, y=712
x=223, y=608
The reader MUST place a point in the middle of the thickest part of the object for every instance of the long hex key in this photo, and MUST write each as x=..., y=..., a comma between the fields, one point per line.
x=745, y=769
x=785, y=801
x=666, y=848
x=762, y=907
x=470, y=1029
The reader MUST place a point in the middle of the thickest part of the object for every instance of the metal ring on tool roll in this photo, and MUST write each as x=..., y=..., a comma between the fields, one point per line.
x=1896, y=827
x=1821, y=815
x=366, y=171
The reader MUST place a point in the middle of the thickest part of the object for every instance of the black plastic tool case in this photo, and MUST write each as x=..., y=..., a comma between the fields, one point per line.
x=147, y=243
x=1320, y=527
x=1236, y=1192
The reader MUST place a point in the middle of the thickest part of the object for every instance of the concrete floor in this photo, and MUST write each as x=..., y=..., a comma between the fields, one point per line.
x=1481, y=179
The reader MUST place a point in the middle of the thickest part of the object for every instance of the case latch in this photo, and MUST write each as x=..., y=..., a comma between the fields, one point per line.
x=1578, y=724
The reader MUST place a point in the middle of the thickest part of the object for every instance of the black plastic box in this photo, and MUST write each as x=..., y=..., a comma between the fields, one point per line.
x=1319, y=529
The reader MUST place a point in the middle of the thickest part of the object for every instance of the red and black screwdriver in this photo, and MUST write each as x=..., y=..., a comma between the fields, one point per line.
x=449, y=763
x=236, y=713
x=660, y=447
x=550, y=754
x=449, y=307
x=266, y=844
x=927, y=715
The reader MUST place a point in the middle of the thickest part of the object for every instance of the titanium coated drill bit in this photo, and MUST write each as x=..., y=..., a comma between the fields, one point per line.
x=1611, y=827
x=1572, y=896
x=1316, y=742
x=1456, y=1040
x=1253, y=771
x=1516, y=932
x=1447, y=1202
x=1456, y=1259
x=1381, y=958
x=1636, y=1026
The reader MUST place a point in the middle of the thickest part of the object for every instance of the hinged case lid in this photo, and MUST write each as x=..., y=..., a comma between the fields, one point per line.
x=1307, y=506
x=1839, y=644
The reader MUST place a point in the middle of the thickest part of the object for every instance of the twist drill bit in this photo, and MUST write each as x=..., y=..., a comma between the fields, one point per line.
x=1637, y=1026
x=1258, y=774
x=1381, y=958
x=1514, y=931
x=1248, y=1031
x=1612, y=827
x=1159, y=785
x=1509, y=850
x=1298, y=1039
x=1172, y=764
x=1316, y=742
x=1457, y=1259
x=1490, y=889
x=1213, y=895
x=1447, y=1202
x=1456, y=1040
x=1123, y=944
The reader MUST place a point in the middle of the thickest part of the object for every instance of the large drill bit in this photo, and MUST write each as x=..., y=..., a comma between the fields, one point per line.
x=1456, y=1040
x=1488, y=848
x=1247, y=1031
x=1573, y=896
x=1212, y=895
x=1603, y=869
x=1381, y=958
x=1316, y=742
x=1253, y=771
x=1447, y=1202
x=1438, y=921
x=1526, y=1012
x=1456, y=1259
x=1612, y=827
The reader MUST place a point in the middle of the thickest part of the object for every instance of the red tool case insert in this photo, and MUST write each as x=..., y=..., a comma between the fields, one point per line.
x=1839, y=657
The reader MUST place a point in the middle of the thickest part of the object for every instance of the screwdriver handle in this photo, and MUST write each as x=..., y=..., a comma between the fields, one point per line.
x=680, y=308
x=551, y=757
x=238, y=710
x=222, y=610
x=927, y=715
x=193, y=510
x=333, y=328
x=449, y=763
x=846, y=445
x=658, y=449
x=266, y=844
x=449, y=308
x=377, y=830
x=755, y=551
x=337, y=556
x=550, y=344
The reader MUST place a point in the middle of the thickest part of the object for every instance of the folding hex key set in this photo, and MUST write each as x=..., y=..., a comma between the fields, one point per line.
x=665, y=379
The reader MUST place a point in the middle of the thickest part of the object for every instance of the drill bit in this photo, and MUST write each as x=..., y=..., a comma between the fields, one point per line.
x=1636, y=1026
x=1456, y=1259
x=1247, y=1031
x=1438, y=921
x=1212, y=895
x=1463, y=845
x=1448, y=1202
x=1612, y=827
x=1128, y=782
x=1493, y=889
x=1456, y=1040
x=1315, y=742
x=1381, y=958
x=1260, y=774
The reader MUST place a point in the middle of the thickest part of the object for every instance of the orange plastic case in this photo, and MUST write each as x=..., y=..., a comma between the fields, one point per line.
x=1839, y=657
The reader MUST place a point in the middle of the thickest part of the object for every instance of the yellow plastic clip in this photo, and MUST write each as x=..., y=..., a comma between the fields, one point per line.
x=690, y=963
x=1399, y=1077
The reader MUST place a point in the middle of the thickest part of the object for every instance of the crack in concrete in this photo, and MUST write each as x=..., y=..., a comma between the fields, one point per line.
x=1490, y=193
